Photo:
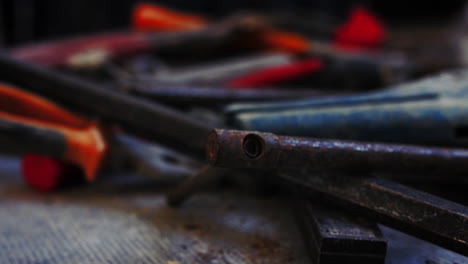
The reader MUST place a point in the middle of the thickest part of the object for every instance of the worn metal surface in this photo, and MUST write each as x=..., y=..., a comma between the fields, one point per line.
x=429, y=111
x=138, y=116
x=124, y=219
x=434, y=219
x=247, y=149
x=333, y=236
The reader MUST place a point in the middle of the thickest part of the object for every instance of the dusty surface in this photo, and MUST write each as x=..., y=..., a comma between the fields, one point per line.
x=122, y=219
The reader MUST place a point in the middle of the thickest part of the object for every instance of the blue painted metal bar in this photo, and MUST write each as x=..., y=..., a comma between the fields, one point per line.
x=430, y=111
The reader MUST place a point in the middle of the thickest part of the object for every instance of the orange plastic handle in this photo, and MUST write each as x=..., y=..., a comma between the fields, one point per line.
x=285, y=41
x=86, y=145
x=150, y=17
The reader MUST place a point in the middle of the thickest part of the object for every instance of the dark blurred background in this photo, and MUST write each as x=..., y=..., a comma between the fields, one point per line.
x=24, y=21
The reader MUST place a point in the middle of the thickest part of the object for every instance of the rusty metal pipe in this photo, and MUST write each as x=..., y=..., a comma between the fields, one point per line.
x=245, y=149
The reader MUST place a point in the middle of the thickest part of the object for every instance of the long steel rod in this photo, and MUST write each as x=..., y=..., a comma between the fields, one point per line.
x=246, y=149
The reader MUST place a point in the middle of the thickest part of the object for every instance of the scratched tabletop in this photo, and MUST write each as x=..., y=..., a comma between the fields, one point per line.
x=124, y=219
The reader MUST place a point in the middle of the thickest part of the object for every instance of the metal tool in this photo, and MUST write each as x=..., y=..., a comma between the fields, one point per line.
x=215, y=73
x=150, y=160
x=138, y=116
x=246, y=149
x=93, y=51
x=381, y=69
x=429, y=217
x=259, y=71
x=253, y=71
x=49, y=138
x=31, y=124
x=279, y=75
x=430, y=111
x=334, y=236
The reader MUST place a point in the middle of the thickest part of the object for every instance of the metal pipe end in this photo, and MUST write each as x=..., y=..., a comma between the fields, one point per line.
x=253, y=146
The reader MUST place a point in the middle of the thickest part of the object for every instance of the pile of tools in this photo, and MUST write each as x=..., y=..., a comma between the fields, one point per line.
x=179, y=90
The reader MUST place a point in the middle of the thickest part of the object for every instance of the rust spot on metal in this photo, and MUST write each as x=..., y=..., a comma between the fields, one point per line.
x=212, y=146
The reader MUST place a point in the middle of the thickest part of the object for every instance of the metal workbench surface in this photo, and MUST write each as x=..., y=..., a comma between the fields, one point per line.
x=124, y=219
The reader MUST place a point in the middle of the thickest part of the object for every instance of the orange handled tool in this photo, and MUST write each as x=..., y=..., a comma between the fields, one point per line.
x=348, y=51
x=362, y=30
x=149, y=17
x=31, y=124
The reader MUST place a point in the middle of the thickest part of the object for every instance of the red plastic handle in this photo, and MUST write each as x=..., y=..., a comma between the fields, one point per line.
x=277, y=74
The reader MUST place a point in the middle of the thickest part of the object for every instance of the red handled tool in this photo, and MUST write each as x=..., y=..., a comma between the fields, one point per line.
x=362, y=29
x=277, y=74
x=349, y=49
x=49, y=137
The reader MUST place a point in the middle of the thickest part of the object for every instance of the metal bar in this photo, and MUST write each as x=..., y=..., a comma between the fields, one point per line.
x=334, y=236
x=245, y=149
x=431, y=111
x=425, y=119
x=139, y=116
x=451, y=84
x=439, y=221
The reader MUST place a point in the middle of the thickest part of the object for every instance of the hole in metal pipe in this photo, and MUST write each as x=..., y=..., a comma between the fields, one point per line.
x=253, y=146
